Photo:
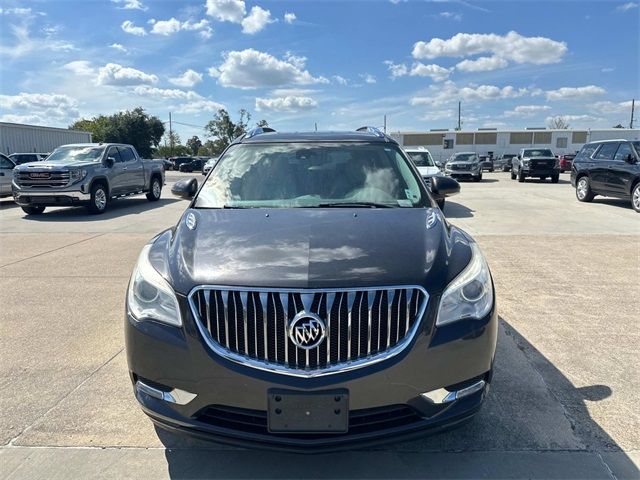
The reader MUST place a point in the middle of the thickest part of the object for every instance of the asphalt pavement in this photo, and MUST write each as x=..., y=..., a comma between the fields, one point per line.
x=563, y=403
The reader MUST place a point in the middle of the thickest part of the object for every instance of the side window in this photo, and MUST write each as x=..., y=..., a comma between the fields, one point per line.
x=113, y=152
x=126, y=154
x=586, y=151
x=623, y=152
x=5, y=162
x=606, y=151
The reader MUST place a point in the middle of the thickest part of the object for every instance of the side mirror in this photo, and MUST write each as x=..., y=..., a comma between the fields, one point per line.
x=185, y=189
x=110, y=162
x=630, y=159
x=444, y=186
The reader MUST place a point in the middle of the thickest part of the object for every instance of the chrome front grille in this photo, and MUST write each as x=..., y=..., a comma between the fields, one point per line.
x=42, y=179
x=362, y=326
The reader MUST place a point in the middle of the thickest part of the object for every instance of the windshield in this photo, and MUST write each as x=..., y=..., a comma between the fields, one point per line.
x=544, y=152
x=465, y=157
x=421, y=159
x=76, y=154
x=311, y=175
x=23, y=158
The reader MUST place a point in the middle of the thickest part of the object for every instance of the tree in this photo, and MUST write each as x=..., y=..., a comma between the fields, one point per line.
x=135, y=127
x=165, y=151
x=223, y=130
x=262, y=123
x=194, y=144
x=618, y=126
x=558, y=123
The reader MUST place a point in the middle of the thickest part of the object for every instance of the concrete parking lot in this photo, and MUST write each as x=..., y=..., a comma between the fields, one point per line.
x=564, y=402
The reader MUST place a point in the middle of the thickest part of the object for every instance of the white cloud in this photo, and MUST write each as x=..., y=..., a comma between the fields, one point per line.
x=173, y=25
x=40, y=108
x=19, y=11
x=368, y=78
x=166, y=93
x=257, y=19
x=252, y=69
x=437, y=115
x=576, y=118
x=289, y=17
x=131, y=5
x=418, y=69
x=451, y=15
x=340, y=80
x=285, y=104
x=129, y=27
x=226, y=10
x=482, y=64
x=27, y=43
x=166, y=27
x=80, y=67
x=612, y=107
x=197, y=106
x=188, y=79
x=119, y=47
x=511, y=47
x=213, y=72
x=626, y=6
x=573, y=93
x=449, y=93
x=526, y=110
x=114, y=74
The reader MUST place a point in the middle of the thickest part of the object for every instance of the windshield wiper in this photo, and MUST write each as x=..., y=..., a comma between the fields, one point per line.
x=353, y=205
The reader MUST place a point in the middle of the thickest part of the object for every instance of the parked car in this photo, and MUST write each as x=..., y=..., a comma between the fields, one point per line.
x=194, y=165
x=427, y=168
x=610, y=168
x=565, y=161
x=89, y=174
x=167, y=164
x=464, y=165
x=308, y=275
x=503, y=161
x=6, y=174
x=535, y=162
x=20, y=158
x=177, y=161
x=208, y=165
x=486, y=163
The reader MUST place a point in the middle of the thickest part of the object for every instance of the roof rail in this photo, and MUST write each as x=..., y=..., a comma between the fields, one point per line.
x=374, y=130
x=257, y=131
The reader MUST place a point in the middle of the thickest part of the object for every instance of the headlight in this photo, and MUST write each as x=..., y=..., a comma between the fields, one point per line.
x=150, y=296
x=77, y=175
x=525, y=163
x=16, y=173
x=470, y=294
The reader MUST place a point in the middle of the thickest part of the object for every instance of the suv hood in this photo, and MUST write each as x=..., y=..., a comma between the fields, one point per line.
x=311, y=248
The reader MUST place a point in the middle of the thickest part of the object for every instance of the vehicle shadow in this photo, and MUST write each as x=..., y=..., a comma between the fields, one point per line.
x=7, y=203
x=456, y=210
x=617, y=202
x=506, y=440
x=116, y=208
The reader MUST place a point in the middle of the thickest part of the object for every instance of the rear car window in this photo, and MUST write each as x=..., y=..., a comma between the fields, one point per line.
x=606, y=151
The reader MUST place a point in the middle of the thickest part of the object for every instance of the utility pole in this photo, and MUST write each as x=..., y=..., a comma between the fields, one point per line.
x=315, y=124
x=170, y=136
x=459, y=112
x=633, y=106
x=385, y=124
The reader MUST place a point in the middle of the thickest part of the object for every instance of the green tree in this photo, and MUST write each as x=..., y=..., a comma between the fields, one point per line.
x=618, y=126
x=165, y=151
x=222, y=130
x=194, y=143
x=262, y=123
x=135, y=127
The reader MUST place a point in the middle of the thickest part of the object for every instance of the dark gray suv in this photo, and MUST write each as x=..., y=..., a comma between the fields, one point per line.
x=311, y=297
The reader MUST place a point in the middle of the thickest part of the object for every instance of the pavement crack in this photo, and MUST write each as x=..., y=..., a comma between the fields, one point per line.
x=52, y=250
x=64, y=397
x=606, y=466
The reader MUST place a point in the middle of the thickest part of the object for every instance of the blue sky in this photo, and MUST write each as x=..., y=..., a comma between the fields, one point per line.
x=338, y=64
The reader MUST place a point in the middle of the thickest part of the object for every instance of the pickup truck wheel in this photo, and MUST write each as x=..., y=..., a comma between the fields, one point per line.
x=478, y=178
x=156, y=189
x=99, y=199
x=583, y=190
x=635, y=197
x=33, y=210
x=555, y=178
x=520, y=176
x=513, y=175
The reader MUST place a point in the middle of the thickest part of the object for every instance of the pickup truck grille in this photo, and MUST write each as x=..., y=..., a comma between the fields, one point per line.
x=361, y=326
x=542, y=163
x=41, y=179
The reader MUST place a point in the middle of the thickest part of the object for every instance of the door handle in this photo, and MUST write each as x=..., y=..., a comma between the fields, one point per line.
x=125, y=168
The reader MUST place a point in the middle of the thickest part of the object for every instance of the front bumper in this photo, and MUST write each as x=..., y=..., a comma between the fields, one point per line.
x=62, y=198
x=231, y=400
x=540, y=172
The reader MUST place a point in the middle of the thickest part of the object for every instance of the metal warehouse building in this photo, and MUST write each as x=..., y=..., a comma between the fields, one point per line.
x=19, y=138
x=443, y=143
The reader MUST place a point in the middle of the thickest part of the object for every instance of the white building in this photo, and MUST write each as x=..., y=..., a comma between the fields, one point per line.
x=443, y=143
x=19, y=138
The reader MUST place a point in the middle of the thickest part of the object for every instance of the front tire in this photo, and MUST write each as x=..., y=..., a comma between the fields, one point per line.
x=583, y=190
x=513, y=174
x=635, y=197
x=521, y=176
x=99, y=199
x=478, y=178
x=555, y=178
x=155, y=190
x=33, y=210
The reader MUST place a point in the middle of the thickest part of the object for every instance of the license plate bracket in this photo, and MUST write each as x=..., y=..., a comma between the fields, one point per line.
x=308, y=412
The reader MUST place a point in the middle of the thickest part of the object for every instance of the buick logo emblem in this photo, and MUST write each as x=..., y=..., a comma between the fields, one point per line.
x=307, y=330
